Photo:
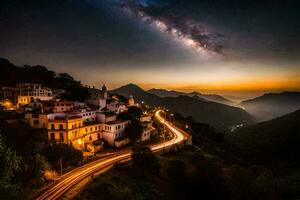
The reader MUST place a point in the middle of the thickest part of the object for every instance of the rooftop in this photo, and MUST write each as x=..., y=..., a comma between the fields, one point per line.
x=116, y=122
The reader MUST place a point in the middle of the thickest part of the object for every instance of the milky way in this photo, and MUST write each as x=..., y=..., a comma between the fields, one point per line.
x=179, y=26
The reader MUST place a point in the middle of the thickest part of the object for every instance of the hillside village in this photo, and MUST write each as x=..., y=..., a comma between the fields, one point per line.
x=86, y=126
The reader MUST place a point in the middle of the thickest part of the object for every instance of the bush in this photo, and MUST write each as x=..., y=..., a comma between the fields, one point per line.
x=176, y=171
x=144, y=161
x=69, y=155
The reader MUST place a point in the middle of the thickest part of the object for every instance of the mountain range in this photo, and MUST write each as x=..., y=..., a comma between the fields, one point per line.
x=278, y=138
x=272, y=105
x=218, y=115
x=206, y=97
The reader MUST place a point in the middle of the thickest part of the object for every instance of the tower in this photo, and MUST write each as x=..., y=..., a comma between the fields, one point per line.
x=131, y=100
x=103, y=97
x=104, y=92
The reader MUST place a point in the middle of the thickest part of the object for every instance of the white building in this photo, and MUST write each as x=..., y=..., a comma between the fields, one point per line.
x=98, y=97
x=113, y=131
x=87, y=115
x=116, y=107
x=24, y=100
x=145, y=118
x=148, y=129
x=105, y=117
x=35, y=90
x=58, y=106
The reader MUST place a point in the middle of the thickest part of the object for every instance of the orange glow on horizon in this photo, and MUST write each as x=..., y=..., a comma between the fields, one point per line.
x=234, y=86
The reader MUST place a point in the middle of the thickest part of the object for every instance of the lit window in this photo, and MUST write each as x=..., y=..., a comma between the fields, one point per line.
x=61, y=136
x=52, y=136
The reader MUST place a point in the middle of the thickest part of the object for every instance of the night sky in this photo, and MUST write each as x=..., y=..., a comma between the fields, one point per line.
x=232, y=47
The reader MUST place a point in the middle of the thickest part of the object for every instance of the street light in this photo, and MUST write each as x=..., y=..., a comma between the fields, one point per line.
x=171, y=117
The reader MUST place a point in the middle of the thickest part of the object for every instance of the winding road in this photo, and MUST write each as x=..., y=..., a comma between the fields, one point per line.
x=75, y=176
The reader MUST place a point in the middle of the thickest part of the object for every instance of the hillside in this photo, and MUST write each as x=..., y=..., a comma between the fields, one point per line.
x=271, y=105
x=277, y=139
x=218, y=115
x=11, y=74
x=207, y=97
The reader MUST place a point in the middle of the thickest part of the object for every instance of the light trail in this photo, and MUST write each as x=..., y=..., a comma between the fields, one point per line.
x=74, y=177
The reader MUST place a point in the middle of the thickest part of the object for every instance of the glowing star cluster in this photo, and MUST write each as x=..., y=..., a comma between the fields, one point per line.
x=187, y=33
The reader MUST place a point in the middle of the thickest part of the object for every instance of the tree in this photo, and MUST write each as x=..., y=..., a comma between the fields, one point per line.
x=69, y=155
x=76, y=93
x=133, y=131
x=144, y=161
x=135, y=112
x=10, y=165
x=177, y=171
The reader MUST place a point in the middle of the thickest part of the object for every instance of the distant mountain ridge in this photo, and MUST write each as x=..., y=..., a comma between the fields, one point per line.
x=218, y=115
x=207, y=97
x=275, y=139
x=272, y=105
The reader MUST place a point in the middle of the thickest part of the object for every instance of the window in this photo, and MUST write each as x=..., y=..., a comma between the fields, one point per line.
x=90, y=137
x=52, y=127
x=61, y=137
x=36, y=122
x=91, y=129
x=52, y=136
x=60, y=127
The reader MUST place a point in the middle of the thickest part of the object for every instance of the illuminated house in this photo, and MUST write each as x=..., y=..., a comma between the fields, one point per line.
x=116, y=107
x=72, y=130
x=58, y=106
x=79, y=129
x=28, y=92
x=8, y=92
x=98, y=97
x=30, y=89
x=131, y=101
x=115, y=131
x=148, y=130
x=87, y=115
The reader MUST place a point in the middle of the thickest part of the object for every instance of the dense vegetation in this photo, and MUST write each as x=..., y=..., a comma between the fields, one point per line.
x=187, y=174
x=270, y=141
x=11, y=74
x=213, y=168
x=25, y=156
x=134, y=129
